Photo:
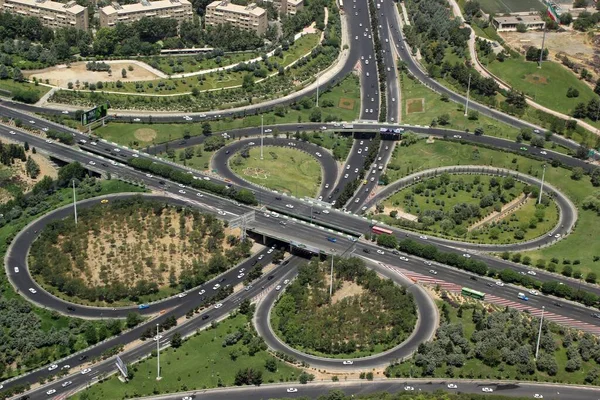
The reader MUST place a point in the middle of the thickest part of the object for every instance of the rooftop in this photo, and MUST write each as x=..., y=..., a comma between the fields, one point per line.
x=142, y=6
x=71, y=6
x=519, y=19
x=225, y=5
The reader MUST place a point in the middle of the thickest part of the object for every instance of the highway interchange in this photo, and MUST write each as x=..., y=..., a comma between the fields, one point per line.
x=106, y=159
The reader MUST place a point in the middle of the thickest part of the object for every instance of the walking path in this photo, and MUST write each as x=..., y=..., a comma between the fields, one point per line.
x=503, y=85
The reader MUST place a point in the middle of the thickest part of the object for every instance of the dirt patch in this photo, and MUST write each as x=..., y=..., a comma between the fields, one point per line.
x=346, y=103
x=145, y=134
x=536, y=79
x=348, y=289
x=401, y=214
x=415, y=105
x=257, y=173
x=60, y=75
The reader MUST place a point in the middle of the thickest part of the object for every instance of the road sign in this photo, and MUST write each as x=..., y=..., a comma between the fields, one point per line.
x=121, y=367
x=94, y=114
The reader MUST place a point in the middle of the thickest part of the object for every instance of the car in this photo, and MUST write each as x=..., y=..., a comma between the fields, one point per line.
x=65, y=112
x=216, y=287
x=325, y=211
x=52, y=367
x=205, y=317
x=423, y=237
x=409, y=388
x=345, y=176
x=86, y=371
x=289, y=206
x=51, y=392
x=532, y=273
x=348, y=362
x=13, y=132
x=240, y=275
x=32, y=121
x=355, y=37
x=16, y=270
x=268, y=130
x=327, y=186
x=261, y=256
x=357, y=200
x=466, y=255
x=372, y=180
x=433, y=271
x=403, y=258
x=206, y=178
x=67, y=383
x=202, y=291
x=332, y=239
x=380, y=252
x=452, y=386
x=221, y=212
x=286, y=281
x=181, y=295
x=269, y=251
x=538, y=396
x=557, y=235
x=199, y=195
x=487, y=390
x=157, y=337
x=136, y=120
x=499, y=283
x=49, y=141
x=278, y=287
x=355, y=170
x=429, y=263
x=218, y=305
x=45, y=129
x=534, y=292
x=186, y=398
x=368, y=251
x=82, y=357
x=135, y=156
x=292, y=390
x=182, y=191
x=32, y=290
x=523, y=148
x=543, y=152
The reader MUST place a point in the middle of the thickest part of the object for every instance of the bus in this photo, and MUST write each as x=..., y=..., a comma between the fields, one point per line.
x=379, y=230
x=472, y=293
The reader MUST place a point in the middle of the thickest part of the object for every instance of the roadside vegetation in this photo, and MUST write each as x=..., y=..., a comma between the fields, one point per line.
x=458, y=206
x=578, y=253
x=490, y=342
x=439, y=395
x=49, y=335
x=286, y=170
x=132, y=250
x=365, y=315
x=232, y=354
x=173, y=65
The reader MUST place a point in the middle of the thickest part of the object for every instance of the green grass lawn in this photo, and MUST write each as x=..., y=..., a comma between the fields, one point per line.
x=190, y=64
x=583, y=244
x=546, y=86
x=283, y=169
x=476, y=368
x=299, y=48
x=200, y=160
x=434, y=106
x=8, y=86
x=201, y=362
x=345, y=96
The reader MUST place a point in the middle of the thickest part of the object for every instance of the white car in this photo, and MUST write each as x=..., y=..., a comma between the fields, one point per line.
x=199, y=195
x=206, y=178
x=182, y=191
x=135, y=155
x=157, y=337
x=423, y=237
x=409, y=388
x=67, y=383
x=32, y=122
x=117, y=150
x=241, y=275
x=251, y=144
x=181, y=295
x=487, y=390
x=429, y=263
x=289, y=206
x=268, y=130
x=538, y=396
x=218, y=305
x=136, y=120
x=202, y=291
x=532, y=273
x=318, y=154
x=261, y=256
x=543, y=152
x=345, y=176
x=403, y=258
x=355, y=170
x=16, y=270
x=325, y=211
x=348, y=362
x=149, y=176
x=217, y=286
x=65, y=112
x=242, y=270
x=380, y=252
x=13, y=132
x=269, y=251
x=86, y=371
x=49, y=141
x=221, y=212
x=357, y=200
x=327, y=186
x=534, y=292
x=499, y=283
x=52, y=367
x=452, y=386
x=286, y=281
x=432, y=271
x=278, y=287
x=32, y=290
x=51, y=392
x=292, y=390
x=465, y=255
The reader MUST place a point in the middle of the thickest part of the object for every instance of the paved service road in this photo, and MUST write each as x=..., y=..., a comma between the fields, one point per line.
x=424, y=329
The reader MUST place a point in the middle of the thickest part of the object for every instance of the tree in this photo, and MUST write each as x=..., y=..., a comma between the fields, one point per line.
x=580, y=111
x=443, y=119
x=248, y=83
x=473, y=115
x=206, y=128
x=580, y=4
x=388, y=241
x=304, y=378
x=3, y=72
x=577, y=173
x=315, y=115
x=566, y=18
x=133, y=319
x=32, y=168
x=176, y=340
x=18, y=75
x=271, y=364
x=521, y=28
x=572, y=92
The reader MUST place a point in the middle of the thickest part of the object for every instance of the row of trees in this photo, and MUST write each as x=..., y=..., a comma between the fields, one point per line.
x=382, y=316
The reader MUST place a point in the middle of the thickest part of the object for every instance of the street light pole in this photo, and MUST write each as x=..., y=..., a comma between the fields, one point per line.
x=74, y=202
x=537, y=347
x=542, y=185
x=158, y=377
x=468, y=91
x=542, y=49
x=261, y=136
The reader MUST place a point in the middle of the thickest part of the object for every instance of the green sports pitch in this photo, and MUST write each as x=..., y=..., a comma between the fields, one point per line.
x=500, y=7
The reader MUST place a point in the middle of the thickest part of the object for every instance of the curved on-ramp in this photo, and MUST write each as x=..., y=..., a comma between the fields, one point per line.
x=424, y=330
x=567, y=210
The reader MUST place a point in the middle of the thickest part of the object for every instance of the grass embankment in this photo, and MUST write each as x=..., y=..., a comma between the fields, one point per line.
x=8, y=87
x=429, y=105
x=502, y=347
x=582, y=244
x=283, y=169
x=201, y=362
x=345, y=98
x=189, y=63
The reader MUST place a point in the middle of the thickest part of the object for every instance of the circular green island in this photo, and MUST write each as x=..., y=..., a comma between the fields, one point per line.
x=365, y=315
x=477, y=208
x=283, y=169
x=129, y=251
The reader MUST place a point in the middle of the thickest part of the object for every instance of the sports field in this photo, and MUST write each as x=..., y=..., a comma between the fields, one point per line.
x=282, y=169
x=508, y=6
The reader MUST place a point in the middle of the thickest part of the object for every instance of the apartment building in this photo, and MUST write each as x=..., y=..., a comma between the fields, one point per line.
x=52, y=14
x=250, y=17
x=181, y=10
x=291, y=7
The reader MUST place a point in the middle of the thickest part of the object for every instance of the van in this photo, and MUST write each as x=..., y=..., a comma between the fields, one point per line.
x=522, y=296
